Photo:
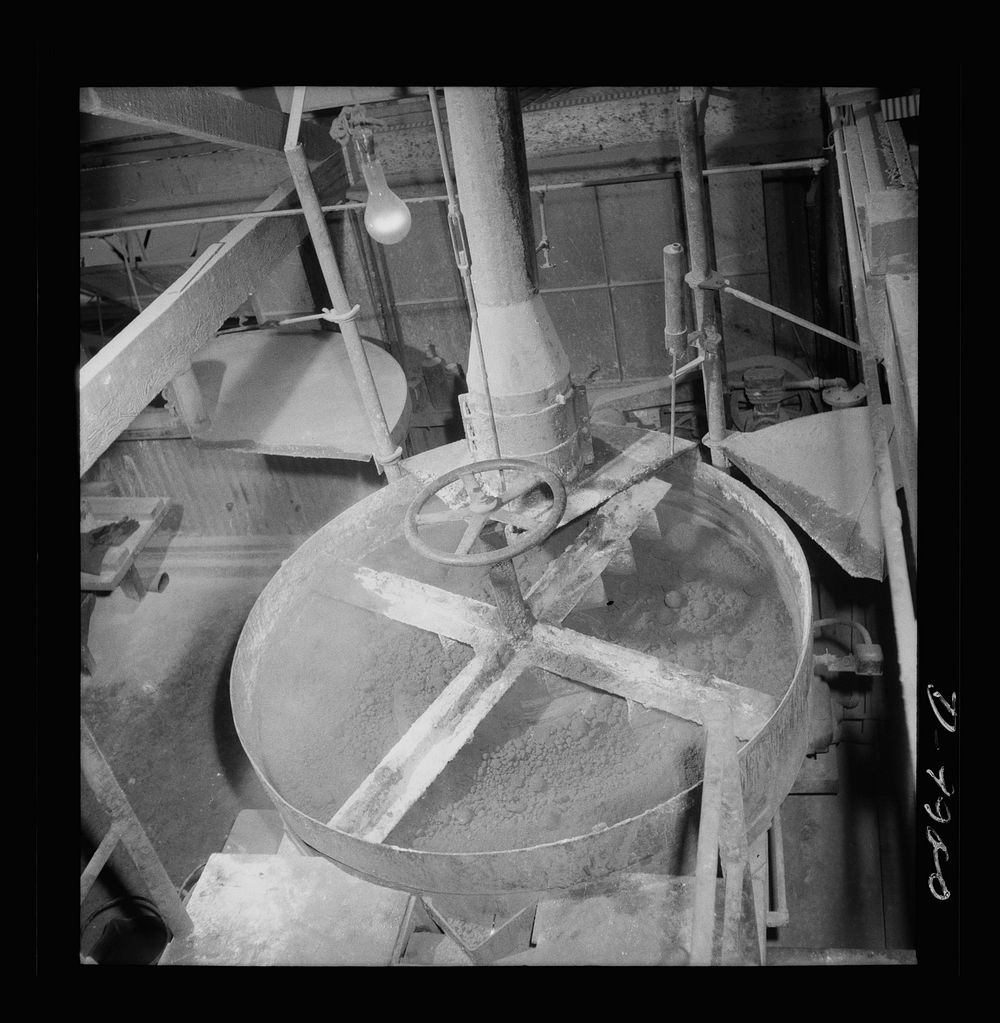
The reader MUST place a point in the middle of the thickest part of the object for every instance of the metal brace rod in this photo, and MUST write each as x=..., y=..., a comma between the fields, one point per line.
x=716, y=282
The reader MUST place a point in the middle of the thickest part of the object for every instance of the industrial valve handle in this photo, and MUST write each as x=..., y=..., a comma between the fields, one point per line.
x=483, y=509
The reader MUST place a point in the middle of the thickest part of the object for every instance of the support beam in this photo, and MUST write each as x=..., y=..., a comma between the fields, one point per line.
x=203, y=114
x=411, y=602
x=707, y=865
x=568, y=577
x=429, y=745
x=646, y=679
x=118, y=383
x=733, y=848
x=127, y=829
x=637, y=462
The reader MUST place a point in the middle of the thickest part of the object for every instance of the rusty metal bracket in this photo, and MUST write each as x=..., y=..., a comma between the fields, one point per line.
x=867, y=659
x=713, y=282
x=711, y=340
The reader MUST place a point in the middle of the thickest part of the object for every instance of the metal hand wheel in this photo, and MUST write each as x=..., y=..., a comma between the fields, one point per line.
x=483, y=509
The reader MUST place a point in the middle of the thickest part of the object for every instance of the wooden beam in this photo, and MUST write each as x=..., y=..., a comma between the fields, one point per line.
x=411, y=602
x=707, y=857
x=203, y=114
x=429, y=745
x=118, y=383
x=638, y=462
x=323, y=97
x=646, y=679
x=733, y=848
x=568, y=577
x=901, y=290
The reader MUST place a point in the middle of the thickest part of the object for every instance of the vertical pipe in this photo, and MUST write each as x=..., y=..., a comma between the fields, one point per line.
x=386, y=455
x=675, y=315
x=108, y=792
x=463, y=262
x=704, y=303
x=675, y=320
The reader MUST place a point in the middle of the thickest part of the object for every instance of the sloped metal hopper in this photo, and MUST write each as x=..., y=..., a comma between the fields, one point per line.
x=821, y=470
x=292, y=392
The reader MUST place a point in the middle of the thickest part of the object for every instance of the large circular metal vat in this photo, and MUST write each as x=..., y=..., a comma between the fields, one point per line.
x=557, y=788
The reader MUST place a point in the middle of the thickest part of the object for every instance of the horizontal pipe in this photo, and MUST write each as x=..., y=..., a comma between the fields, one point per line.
x=402, y=303
x=345, y=206
x=742, y=168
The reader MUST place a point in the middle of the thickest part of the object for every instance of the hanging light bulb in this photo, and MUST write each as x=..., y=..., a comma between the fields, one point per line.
x=387, y=217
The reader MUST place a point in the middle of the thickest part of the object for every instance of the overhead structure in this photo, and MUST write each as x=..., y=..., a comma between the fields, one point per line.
x=492, y=636
x=158, y=345
x=283, y=391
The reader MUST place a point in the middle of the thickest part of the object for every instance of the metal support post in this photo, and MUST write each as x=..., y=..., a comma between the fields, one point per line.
x=704, y=305
x=386, y=455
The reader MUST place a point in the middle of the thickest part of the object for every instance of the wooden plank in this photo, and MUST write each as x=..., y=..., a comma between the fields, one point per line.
x=204, y=114
x=378, y=804
x=175, y=186
x=891, y=232
x=733, y=848
x=408, y=601
x=636, y=463
x=147, y=511
x=870, y=149
x=901, y=290
x=707, y=863
x=647, y=680
x=158, y=344
x=857, y=186
x=568, y=577
x=901, y=153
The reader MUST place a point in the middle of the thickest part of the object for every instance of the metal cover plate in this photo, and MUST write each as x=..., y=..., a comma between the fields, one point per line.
x=283, y=392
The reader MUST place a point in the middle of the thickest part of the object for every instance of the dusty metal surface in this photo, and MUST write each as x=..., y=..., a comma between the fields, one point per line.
x=769, y=762
x=522, y=386
x=820, y=469
x=269, y=910
x=284, y=392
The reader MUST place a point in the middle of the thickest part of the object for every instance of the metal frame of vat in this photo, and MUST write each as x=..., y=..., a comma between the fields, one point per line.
x=769, y=762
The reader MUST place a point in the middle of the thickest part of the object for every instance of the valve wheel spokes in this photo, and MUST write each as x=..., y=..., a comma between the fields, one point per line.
x=484, y=509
